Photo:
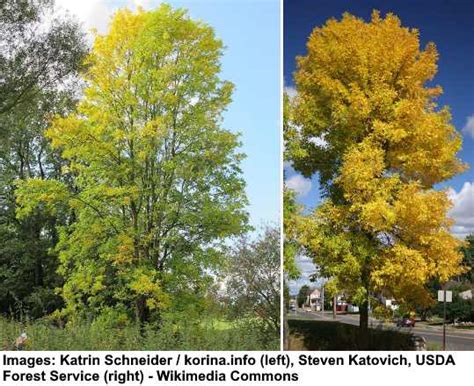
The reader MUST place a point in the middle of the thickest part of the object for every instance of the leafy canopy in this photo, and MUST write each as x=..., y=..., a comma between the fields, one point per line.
x=41, y=56
x=366, y=119
x=157, y=183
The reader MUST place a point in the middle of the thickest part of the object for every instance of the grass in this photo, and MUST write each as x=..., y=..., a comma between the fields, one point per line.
x=438, y=322
x=464, y=327
x=217, y=324
x=430, y=346
x=210, y=335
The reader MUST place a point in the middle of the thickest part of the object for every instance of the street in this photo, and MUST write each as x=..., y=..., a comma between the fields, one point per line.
x=455, y=340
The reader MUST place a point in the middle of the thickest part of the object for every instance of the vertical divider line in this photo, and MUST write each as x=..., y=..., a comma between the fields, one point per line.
x=282, y=273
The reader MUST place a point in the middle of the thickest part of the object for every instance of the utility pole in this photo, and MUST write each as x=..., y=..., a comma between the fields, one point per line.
x=322, y=299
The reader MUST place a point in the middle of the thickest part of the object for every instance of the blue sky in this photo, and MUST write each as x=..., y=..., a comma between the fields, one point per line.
x=250, y=30
x=449, y=24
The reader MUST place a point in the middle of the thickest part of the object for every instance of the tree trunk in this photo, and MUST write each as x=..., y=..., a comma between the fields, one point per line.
x=364, y=315
x=364, y=309
x=141, y=310
x=39, y=271
x=286, y=332
x=364, y=324
x=35, y=230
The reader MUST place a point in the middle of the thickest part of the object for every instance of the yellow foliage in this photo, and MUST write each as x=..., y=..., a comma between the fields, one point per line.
x=362, y=87
x=143, y=283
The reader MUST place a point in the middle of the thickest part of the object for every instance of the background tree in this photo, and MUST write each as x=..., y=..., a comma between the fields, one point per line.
x=39, y=66
x=468, y=259
x=369, y=125
x=156, y=181
x=291, y=209
x=459, y=310
x=303, y=294
x=253, y=284
x=35, y=56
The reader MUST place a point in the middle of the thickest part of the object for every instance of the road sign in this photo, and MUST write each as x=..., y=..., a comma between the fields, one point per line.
x=449, y=296
x=445, y=297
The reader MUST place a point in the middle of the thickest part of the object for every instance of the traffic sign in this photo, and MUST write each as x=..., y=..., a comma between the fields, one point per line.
x=449, y=296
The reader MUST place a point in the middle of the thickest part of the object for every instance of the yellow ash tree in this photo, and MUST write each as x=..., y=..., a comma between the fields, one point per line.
x=154, y=185
x=366, y=119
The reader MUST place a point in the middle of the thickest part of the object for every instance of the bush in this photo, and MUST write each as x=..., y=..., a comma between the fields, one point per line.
x=334, y=336
x=459, y=310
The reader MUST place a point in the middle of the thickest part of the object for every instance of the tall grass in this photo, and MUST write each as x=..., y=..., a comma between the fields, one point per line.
x=240, y=335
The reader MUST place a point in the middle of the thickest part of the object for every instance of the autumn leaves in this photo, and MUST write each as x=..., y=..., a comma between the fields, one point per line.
x=118, y=200
x=382, y=228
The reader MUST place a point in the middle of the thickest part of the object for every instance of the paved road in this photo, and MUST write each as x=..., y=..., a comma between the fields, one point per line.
x=455, y=340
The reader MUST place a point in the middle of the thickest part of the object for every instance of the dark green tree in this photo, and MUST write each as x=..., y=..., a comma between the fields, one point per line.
x=303, y=294
x=39, y=66
x=468, y=259
x=459, y=309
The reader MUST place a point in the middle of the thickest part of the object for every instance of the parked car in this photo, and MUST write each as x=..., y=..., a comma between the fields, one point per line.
x=406, y=322
x=351, y=308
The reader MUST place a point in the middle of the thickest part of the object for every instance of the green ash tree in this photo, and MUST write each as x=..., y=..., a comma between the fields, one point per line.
x=157, y=185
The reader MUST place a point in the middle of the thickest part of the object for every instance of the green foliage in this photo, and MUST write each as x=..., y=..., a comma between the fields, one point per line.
x=39, y=67
x=156, y=182
x=105, y=334
x=468, y=259
x=253, y=282
x=303, y=294
x=459, y=310
x=57, y=50
x=291, y=214
x=116, y=211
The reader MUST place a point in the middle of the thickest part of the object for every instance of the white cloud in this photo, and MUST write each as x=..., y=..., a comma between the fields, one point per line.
x=290, y=91
x=95, y=14
x=306, y=268
x=319, y=141
x=92, y=13
x=463, y=210
x=299, y=184
x=469, y=126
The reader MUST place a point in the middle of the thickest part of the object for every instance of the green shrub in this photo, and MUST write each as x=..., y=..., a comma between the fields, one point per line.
x=334, y=336
x=113, y=331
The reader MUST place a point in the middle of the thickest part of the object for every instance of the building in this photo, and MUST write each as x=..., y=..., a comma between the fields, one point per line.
x=466, y=295
x=315, y=300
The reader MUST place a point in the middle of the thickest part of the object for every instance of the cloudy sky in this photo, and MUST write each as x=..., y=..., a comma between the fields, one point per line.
x=250, y=31
x=448, y=24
